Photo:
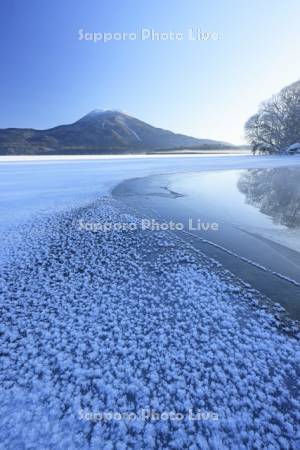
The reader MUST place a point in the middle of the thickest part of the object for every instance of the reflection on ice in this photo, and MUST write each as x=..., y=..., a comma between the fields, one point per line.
x=275, y=192
x=265, y=202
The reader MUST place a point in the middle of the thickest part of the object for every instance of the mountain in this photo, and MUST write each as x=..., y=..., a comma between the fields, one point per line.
x=98, y=132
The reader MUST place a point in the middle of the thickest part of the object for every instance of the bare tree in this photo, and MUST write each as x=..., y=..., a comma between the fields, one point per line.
x=276, y=125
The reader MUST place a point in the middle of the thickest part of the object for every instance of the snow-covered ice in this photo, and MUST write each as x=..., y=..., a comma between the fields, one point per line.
x=95, y=322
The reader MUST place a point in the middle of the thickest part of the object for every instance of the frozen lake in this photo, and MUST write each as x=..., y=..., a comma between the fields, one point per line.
x=34, y=187
x=43, y=185
x=96, y=322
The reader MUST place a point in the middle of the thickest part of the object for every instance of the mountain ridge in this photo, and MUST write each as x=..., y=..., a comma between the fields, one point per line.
x=98, y=132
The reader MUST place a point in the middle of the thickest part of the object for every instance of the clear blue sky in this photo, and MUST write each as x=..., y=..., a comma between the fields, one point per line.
x=205, y=89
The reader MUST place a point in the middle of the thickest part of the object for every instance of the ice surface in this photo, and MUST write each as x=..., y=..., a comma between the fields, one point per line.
x=98, y=322
x=31, y=185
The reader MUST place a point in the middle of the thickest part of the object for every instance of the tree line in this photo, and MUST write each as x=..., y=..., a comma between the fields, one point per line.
x=276, y=125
